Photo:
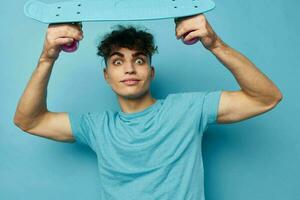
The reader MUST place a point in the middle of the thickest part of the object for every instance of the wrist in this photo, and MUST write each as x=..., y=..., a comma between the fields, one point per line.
x=45, y=59
x=219, y=46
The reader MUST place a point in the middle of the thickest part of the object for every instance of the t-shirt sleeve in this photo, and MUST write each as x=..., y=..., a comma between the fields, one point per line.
x=83, y=127
x=209, y=104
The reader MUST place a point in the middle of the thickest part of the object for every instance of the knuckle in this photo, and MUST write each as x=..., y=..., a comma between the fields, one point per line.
x=49, y=38
x=49, y=31
x=51, y=42
x=183, y=28
x=66, y=32
x=79, y=32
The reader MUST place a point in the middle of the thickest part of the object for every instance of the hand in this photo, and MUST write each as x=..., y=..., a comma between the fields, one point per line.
x=58, y=35
x=197, y=26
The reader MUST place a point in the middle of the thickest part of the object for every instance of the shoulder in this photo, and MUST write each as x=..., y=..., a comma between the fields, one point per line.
x=203, y=100
x=87, y=116
x=188, y=96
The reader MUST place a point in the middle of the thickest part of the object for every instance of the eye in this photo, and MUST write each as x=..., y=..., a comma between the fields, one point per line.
x=116, y=61
x=141, y=60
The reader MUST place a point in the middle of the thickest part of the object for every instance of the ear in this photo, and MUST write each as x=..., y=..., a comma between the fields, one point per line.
x=152, y=72
x=106, y=76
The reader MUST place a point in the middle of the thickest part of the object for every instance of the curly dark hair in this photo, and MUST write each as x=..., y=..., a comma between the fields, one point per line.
x=128, y=37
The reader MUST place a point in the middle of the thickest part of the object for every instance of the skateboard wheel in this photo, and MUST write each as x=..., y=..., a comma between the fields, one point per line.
x=189, y=42
x=70, y=47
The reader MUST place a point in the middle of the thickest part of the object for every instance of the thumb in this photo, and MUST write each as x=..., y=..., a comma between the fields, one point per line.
x=62, y=41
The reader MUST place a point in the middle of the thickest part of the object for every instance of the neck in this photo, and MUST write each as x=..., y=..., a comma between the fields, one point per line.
x=135, y=105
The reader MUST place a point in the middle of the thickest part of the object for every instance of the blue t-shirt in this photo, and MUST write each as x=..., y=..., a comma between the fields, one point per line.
x=151, y=154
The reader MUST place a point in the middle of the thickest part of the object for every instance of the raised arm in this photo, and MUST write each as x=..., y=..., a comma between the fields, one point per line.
x=257, y=95
x=32, y=115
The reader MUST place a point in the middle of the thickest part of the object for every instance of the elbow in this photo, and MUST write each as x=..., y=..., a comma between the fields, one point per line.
x=16, y=121
x=20, y=126
x=21, y=123
x=26, y=123
x=277, y=99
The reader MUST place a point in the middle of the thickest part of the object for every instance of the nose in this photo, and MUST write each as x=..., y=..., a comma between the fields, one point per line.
x=129, y=68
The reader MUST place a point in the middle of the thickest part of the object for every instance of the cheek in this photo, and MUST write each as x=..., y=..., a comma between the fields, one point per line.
x=145, y=74
x=114, y=81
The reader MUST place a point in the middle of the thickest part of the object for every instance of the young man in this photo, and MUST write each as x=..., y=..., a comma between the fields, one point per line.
x=151, y=148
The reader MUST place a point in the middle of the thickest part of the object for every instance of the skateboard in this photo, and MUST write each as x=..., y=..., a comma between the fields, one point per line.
x=78, y=11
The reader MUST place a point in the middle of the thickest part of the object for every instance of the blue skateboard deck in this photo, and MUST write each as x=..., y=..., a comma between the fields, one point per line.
x=114, y=10
x=78, y=11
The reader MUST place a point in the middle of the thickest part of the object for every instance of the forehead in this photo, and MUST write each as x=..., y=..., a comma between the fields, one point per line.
x=122, y=52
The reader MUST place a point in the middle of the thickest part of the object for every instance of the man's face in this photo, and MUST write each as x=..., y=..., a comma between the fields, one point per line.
x=124, y=63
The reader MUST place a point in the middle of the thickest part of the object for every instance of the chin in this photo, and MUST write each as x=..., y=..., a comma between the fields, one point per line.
x=132, y=95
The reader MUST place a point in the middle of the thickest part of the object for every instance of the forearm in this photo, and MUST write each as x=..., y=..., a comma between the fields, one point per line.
x=251, y=80
x=33, y=100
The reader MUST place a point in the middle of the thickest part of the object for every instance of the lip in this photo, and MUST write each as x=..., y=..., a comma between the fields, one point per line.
x=131, y=82
x=130, y=79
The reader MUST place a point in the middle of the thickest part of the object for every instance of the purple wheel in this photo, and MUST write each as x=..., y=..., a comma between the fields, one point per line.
x=189, y=42
x=70, y=47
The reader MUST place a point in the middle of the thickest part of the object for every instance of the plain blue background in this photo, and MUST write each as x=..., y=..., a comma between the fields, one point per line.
x=258, y=158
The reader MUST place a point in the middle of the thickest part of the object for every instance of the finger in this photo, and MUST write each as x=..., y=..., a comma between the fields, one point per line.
x=180, y=31
x=67, y=31
x=185, y=27
x=77, y=26
x=62, y=41
x=194, y=34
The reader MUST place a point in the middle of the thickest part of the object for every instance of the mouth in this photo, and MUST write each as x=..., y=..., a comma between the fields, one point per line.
x=130, y=82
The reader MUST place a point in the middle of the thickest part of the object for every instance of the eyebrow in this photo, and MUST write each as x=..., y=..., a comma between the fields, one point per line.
x=133, y=55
